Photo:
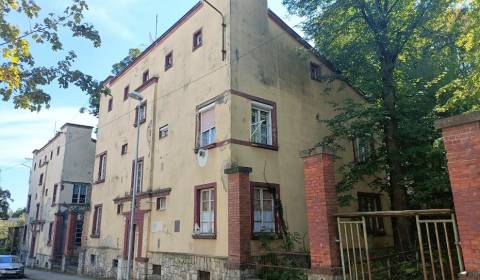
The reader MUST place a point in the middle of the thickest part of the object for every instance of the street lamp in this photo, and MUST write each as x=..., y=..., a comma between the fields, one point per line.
x=136, y=96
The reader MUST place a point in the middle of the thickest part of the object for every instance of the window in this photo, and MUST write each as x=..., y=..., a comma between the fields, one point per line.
x=97, y=221
x=37, y=213
x=263, y=210
x=51, y=155
x=45, y=159
x=54, y=198
x=197, y=39
x=40, y=180
x=40, y=163
x=370, y=202
x=261, y=126
x=102, y=166
x=58, y=150
x=139, y=177
x=25, y=233
x=115, y=263
x=207, y=125
x=35, y=166
x=362, y=148
x=124, y=149
x=315, y=72
x=119, y=209
x=79, y=194
x=29, y=201
x=161, y=203
x=140, y=113
x=168, y=61
x=203, y=275
x=126, y=90
x=157, y=269
x=176, y=226
x=46, y=192
x=205, y=209
x=110, y=104
x=50, y=232
x=163, y=131
x=145, y=77
x=78, y=232
x=93, y=259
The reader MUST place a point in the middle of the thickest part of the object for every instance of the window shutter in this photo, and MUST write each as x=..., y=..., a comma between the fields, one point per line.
x=207, y=120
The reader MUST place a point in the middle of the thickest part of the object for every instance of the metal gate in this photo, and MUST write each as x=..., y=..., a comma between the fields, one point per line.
x=435, y=254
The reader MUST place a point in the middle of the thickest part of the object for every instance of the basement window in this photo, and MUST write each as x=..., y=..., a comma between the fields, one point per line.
x=156, y=269
x=203, y=275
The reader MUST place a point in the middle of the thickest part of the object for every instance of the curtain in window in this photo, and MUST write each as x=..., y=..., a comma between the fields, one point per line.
x=207, y=127
x=263, y=211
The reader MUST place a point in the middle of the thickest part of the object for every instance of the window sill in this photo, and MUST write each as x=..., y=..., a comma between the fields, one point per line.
x=141, y=122
x=94, y=236
x=99, y=182
x=204, y=236
x=168, y=68
x=273, y=235
x=265, y=146
x=162, y=210
x=196, y=47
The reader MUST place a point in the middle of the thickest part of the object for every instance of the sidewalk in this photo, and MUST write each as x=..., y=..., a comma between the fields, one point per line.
x=47, y=275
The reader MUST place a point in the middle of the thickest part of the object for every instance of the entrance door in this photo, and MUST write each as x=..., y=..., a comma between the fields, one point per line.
x=32, y=245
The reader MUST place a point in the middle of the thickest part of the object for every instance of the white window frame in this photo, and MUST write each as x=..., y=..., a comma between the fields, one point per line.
x=78, y=195
x=161, y=206
x=103, y=166
x=141, y=108
x=78, y=235
x=211, y=206
x=139, y=177
x=362, y=148
x=262, y=222
x=261, y=107
x=211, y=132
x=98, y=219
x=163, y=131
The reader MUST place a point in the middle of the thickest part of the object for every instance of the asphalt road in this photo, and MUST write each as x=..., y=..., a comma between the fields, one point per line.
x=46, y=275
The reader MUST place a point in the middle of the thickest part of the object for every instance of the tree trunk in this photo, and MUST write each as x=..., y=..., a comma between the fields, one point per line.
x=398, y=193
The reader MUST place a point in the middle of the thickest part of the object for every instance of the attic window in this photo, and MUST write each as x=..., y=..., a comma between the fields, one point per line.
x=315, y=72
x=197, y=39
x=168, y=61
x=145, y=77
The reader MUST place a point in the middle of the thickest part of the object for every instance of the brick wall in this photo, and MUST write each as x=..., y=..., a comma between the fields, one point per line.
x=321, y=203
x=461, y=136
x=239, y=216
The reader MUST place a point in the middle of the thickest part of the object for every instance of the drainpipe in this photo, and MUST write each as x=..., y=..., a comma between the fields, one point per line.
x=224, y=28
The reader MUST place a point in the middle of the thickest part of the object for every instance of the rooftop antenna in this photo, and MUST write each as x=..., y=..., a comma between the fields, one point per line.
x=156, y=26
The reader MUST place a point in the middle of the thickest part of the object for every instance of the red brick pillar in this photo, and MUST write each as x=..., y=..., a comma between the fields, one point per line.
x=58, y=235
x=461, y=135
x=70, y=233
x=321, y=203
x=239, y=216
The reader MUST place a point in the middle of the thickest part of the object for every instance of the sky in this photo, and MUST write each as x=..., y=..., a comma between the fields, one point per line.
x=122, y=24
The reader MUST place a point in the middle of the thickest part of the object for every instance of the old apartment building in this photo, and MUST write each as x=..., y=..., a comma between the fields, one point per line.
x=60, y=183
x=232, y=95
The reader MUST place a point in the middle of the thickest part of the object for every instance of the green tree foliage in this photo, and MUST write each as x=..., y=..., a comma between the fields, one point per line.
x=21, y=78
x=415, y=60
x=5, y=199
x=17, y=213
x=120, y=66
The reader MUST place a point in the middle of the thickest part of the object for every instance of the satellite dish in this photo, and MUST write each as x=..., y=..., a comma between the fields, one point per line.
x=202, y=157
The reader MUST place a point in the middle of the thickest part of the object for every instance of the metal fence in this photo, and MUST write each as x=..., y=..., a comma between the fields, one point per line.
x=434, y=254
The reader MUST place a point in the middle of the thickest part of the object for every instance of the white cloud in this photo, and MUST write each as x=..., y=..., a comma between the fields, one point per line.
x=22, y=131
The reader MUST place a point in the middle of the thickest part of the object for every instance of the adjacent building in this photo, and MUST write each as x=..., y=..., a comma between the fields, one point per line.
x=232, y=95
x=60, y=184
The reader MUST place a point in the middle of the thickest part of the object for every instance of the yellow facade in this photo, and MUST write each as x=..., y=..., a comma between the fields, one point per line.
x=264, y=61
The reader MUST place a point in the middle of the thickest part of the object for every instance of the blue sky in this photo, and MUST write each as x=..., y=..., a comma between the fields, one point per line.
x=123, y=24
